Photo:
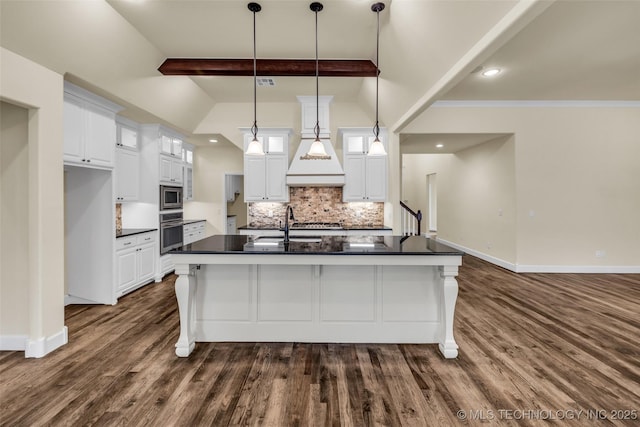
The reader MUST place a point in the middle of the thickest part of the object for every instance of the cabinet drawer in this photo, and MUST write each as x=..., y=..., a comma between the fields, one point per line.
x=126, y=242
x=145, y=238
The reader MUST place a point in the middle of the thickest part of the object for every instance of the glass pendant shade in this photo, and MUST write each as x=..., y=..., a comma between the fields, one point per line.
x=255, y=148
x=317, y=149
x=377, y=148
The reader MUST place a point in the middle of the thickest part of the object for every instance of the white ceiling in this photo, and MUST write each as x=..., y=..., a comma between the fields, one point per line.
x=570, y=50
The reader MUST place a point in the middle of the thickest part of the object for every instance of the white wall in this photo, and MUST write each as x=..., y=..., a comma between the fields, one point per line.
x=40, y=90
x=577, y=178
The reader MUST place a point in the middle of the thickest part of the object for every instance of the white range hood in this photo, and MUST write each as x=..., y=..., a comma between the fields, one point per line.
x=307, y=171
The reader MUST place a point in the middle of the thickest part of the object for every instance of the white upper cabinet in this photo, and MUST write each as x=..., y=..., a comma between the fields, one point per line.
x=126, y=133
x=171, y=145
x=127, y=175
x=171, y=170
x=265, y=177
x=188, y=183
x=365, y=176
x=89, y=128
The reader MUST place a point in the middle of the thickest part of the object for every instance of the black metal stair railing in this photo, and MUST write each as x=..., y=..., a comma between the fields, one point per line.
x=411, y=221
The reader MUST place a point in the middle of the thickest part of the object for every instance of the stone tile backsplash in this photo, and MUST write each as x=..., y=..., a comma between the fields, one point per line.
x=118, y=217
x=317, y=204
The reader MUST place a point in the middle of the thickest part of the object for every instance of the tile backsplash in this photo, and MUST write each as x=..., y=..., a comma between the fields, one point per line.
x=118, y=217
x=317, y=204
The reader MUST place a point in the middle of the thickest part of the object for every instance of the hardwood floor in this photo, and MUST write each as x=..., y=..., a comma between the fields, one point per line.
x=535, y=349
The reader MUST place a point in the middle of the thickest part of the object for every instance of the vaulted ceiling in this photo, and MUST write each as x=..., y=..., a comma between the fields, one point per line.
x=428, y=50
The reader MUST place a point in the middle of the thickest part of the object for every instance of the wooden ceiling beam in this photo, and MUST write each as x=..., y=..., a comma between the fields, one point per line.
x=268, y=67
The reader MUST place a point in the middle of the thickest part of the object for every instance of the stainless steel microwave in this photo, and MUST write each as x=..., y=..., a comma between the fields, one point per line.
x=170, y=197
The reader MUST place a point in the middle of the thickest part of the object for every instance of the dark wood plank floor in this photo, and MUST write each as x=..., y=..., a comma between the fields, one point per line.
x=535, y=349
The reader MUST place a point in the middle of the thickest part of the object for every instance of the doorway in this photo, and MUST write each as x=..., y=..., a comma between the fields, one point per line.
x=432, y=197
x=236, y=208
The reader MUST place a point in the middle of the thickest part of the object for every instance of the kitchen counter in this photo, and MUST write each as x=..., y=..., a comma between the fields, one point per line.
x=132, y=231
x=368, y=289
x=318, y=245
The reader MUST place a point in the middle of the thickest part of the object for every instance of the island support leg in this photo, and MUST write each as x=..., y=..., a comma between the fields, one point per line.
x=185, y=293
x=448, y=296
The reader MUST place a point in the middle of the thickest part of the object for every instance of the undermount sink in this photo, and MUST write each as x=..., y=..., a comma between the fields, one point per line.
x=271, y=240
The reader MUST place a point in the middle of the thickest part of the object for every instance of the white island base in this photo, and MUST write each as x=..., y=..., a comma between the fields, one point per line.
x=316, y=298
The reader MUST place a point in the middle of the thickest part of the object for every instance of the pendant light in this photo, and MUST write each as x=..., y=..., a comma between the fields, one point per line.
x=317, y=147
x=255, y=146
x=377, y=148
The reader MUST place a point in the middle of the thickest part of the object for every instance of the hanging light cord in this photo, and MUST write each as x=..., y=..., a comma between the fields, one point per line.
x=376, y=127
x=254, y=128
x=316, y=128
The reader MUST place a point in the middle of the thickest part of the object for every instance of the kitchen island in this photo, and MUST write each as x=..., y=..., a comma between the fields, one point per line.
x=369, y=289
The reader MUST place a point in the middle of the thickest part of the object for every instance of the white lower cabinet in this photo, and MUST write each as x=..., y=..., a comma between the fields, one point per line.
x=193, y=232
x=135, y=261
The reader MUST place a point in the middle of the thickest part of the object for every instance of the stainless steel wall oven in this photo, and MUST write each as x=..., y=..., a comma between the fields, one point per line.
x=171, y=234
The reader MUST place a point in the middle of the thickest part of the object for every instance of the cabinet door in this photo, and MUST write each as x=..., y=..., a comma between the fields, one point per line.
x=254, y=176
x=354, y=144
x=188, y=183
x=73, y=130
x=354, y=178
x=127, y=175
x=146, y=262
x=376, y=179
x=100, y=139
x=177, y=171
x=276, y=183
x=126, y=268
x=165, y=168
x=176, y=147
x=127, y=137
x=166, y=144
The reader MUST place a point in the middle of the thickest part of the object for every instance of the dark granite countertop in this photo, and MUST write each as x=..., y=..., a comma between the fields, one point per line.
x=132, y=231
x=191, y=221
x=320, y=245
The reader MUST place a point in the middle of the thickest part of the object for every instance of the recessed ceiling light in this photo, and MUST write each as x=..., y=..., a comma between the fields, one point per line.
x=439, y=145
x=490, y=72
x=213, y=140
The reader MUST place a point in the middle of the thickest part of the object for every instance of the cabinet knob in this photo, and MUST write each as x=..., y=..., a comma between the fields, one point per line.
x=88, y=160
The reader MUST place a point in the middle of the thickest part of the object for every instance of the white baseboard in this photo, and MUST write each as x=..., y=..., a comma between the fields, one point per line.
x=493, y=260
x=13, y=342
x=599, y=269
x=524, y=268
x=45, y=345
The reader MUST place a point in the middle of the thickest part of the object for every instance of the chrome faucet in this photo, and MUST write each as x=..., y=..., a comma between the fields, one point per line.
x=288, y=215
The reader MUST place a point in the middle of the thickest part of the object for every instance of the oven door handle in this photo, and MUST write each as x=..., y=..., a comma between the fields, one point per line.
x=170, y=224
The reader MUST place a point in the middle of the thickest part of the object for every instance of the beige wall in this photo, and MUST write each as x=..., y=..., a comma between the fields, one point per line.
x=577, y=178
x=14, y=224
x=25, y=83
x=476, y=195
x=210, y=165
x=238, y=207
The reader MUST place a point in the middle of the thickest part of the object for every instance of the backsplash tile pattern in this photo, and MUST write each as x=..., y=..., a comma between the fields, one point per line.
x=118, y=217
x=318, y=204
